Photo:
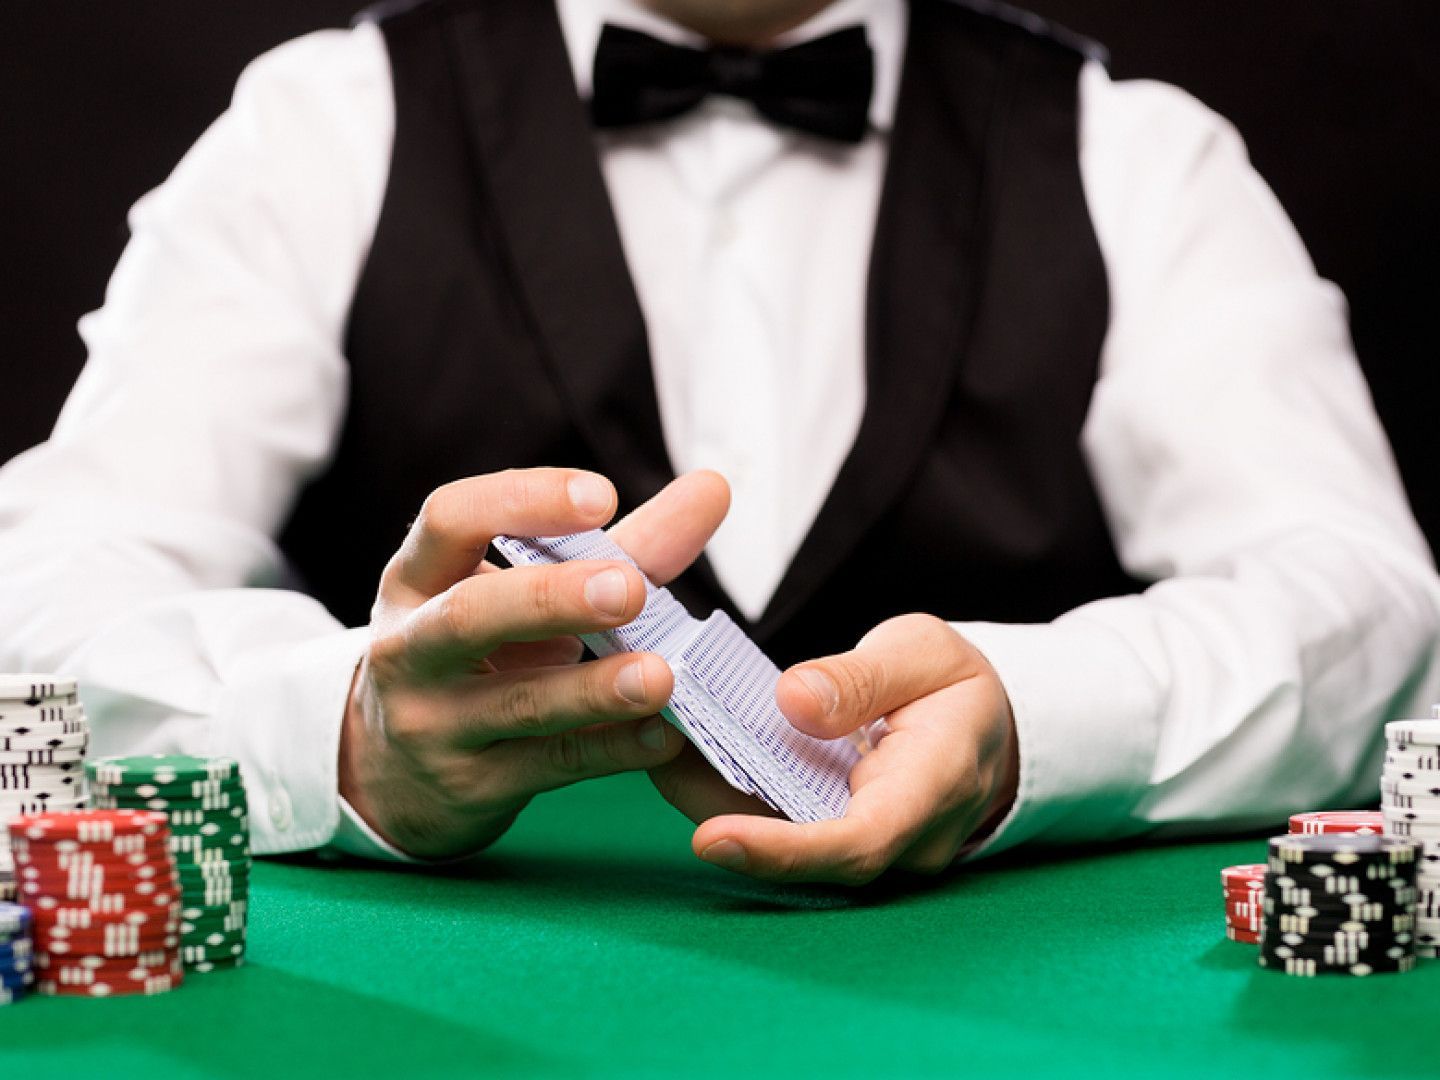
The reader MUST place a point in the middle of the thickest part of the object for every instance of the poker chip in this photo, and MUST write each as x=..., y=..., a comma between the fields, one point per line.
x=206, y=966
x=205, y=803
x=163, y=769
x=45, y=741
x=13, y=714
x=1403, y=734
x=1337, y=904
x=1418, y=759
x=30, y=689
x=1338, y=822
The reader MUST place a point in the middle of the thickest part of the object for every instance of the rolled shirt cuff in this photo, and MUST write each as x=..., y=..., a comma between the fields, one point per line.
x=281, y=714
x=1085, y=709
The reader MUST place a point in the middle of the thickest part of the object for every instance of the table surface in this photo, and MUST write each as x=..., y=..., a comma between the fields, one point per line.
x=591, y=941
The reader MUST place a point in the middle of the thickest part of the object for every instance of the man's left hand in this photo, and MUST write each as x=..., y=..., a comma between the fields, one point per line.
x=947, y=767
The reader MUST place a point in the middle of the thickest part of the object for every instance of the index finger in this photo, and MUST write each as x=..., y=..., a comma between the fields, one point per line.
x=458, y=521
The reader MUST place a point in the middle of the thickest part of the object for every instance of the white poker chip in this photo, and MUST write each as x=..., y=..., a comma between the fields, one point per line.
x=13, y=713
x=33, y=688
x=62, y=756
x=1416, y=760
x=1401, y=733
x=74, y=741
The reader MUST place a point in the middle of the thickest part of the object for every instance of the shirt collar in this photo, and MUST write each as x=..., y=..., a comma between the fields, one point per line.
x=884, y=22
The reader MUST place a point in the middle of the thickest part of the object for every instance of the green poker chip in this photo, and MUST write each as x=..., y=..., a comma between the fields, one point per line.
x=212, y=926
x=162, y=769
x=199, y=791
x=225, y=801
x=212, y=940
x=237, y=909
x=205, y=967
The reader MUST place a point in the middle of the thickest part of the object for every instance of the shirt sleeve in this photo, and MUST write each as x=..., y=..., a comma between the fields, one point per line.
x=1243, y=470
x=136, y=547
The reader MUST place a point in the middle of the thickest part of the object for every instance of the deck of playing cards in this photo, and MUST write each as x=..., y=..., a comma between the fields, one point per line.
x=724, y=696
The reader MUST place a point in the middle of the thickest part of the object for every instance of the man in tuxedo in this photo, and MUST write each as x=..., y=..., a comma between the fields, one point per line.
x=932, y=319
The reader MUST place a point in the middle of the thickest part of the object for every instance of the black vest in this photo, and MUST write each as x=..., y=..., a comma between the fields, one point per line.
x=495, y=326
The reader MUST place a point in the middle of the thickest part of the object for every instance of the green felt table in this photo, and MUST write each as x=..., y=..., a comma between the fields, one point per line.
x=590, y=941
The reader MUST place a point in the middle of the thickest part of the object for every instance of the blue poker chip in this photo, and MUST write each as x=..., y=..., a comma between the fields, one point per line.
x=14, y=920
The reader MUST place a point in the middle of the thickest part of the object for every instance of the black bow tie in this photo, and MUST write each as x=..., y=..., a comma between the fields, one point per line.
x=822, y=87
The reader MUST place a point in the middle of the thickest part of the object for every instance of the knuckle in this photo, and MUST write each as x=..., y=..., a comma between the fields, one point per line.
x=859, y=685
x=565, y=753
x=440, y=513
x=521, y=706
x=406, y=726
x=865, y=865
x=547, y=594
x=519, y=491
x=935, y=862
x=457, y=611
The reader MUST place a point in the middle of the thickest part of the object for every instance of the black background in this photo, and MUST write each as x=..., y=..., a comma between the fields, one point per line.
x=1339, y=101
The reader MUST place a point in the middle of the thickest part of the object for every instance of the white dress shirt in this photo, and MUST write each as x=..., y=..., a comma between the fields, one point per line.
x=1231, y=439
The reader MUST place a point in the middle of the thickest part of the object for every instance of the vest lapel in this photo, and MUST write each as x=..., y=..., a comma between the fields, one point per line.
x=537, y=162
x=923, y=285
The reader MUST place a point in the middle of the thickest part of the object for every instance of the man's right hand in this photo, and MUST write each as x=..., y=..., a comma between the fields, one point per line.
x=469, y=700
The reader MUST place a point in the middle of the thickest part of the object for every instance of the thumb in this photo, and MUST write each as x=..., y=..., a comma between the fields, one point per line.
x=902, y=659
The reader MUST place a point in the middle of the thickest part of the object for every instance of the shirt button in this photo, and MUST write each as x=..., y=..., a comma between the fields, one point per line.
x=280, y=815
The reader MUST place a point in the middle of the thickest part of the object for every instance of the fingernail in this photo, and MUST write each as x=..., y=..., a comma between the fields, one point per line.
x=652, y=734
x=630, y=684
x=606, y=592
x=589, y=494
x=726, y=853
x=822, y=686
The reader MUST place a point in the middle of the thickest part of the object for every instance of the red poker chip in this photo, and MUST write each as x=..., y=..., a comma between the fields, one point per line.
x=96, y=894
x=1343, y=822
x=156, y=932
x=92, y=881
x=160, y=984
x=114, y=848
x=1246, y=936
x=97, y=878
x=1244, y=875
x=93, y=947
x=1244, y=911
x=156, y=959
x=75, y=969
x=95, y=825
x=158, y=927
x=1244, y=894
x=77, y=912
x=150, y=851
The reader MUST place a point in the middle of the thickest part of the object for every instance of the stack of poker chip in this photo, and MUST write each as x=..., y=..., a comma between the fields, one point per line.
x=43, y=739
x=204, y=800
x=1339, y=905
x=16, y=956
x=1410, y=802
x=104, y=898
x=1244, y=888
